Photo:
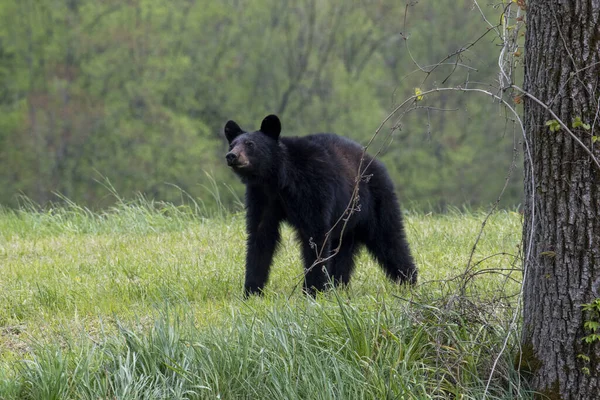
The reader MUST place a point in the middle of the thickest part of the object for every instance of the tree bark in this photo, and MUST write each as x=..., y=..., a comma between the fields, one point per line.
x=561, y=235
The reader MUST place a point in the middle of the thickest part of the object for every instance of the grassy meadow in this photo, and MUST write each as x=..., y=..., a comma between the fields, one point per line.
x=143, y=301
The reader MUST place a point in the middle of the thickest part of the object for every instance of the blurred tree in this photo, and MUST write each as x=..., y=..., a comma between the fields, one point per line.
x=138, y=91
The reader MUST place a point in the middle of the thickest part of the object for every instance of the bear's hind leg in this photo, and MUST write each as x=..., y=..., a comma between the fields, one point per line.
x=342, y=264
x=387, y=243
x=316, y=275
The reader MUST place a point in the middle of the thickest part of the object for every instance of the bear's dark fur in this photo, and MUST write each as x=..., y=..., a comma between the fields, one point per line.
x=308, y=182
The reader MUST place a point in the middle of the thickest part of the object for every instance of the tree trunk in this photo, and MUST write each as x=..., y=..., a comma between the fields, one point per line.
x=562, y=199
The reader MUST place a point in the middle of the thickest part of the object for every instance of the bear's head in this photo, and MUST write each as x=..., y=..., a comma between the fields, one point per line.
x=254, y=155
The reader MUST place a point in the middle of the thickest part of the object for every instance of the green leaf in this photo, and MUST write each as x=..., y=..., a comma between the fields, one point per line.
x=583, y=357
x=591, y=338
x=594, y=139
x=418, y=92
x=553, y=125
x=577, y=122
x=591, y=325
x=593, y=306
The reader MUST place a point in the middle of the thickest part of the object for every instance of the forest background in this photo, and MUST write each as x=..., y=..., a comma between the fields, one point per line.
x=132, y=95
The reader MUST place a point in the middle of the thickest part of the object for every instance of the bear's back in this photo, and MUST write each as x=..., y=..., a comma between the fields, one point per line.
x=346, y=153
x=331, y=154
x=327, y=157
x=340, y=151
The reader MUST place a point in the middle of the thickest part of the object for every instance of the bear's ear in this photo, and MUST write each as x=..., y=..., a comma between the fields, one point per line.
x=271, y=126
x=232, y=130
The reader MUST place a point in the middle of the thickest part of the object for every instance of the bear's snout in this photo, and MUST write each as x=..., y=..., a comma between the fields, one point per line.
x=237, y=159
x=231, y=158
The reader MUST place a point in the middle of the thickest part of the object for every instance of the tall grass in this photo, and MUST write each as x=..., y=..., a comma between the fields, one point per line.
x=143, y=301
x=328, y=349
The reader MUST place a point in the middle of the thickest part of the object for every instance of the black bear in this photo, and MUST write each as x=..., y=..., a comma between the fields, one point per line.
x=309, y=182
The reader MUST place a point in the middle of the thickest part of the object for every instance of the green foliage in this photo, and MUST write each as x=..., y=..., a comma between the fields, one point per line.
x=592, y=326
x=138, y=92
x=553, y=124
x=593, y=307
x=577, y=122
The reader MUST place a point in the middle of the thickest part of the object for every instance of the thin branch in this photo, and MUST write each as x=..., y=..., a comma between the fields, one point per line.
x=495, y=27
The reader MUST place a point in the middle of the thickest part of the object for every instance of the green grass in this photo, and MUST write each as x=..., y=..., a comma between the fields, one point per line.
x=144, y=301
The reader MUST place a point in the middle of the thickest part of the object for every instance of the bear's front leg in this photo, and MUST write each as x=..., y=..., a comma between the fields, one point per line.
x=317, y=273
x=263, y=236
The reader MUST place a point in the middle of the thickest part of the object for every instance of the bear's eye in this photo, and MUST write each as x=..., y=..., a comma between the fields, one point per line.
x=250, y=145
